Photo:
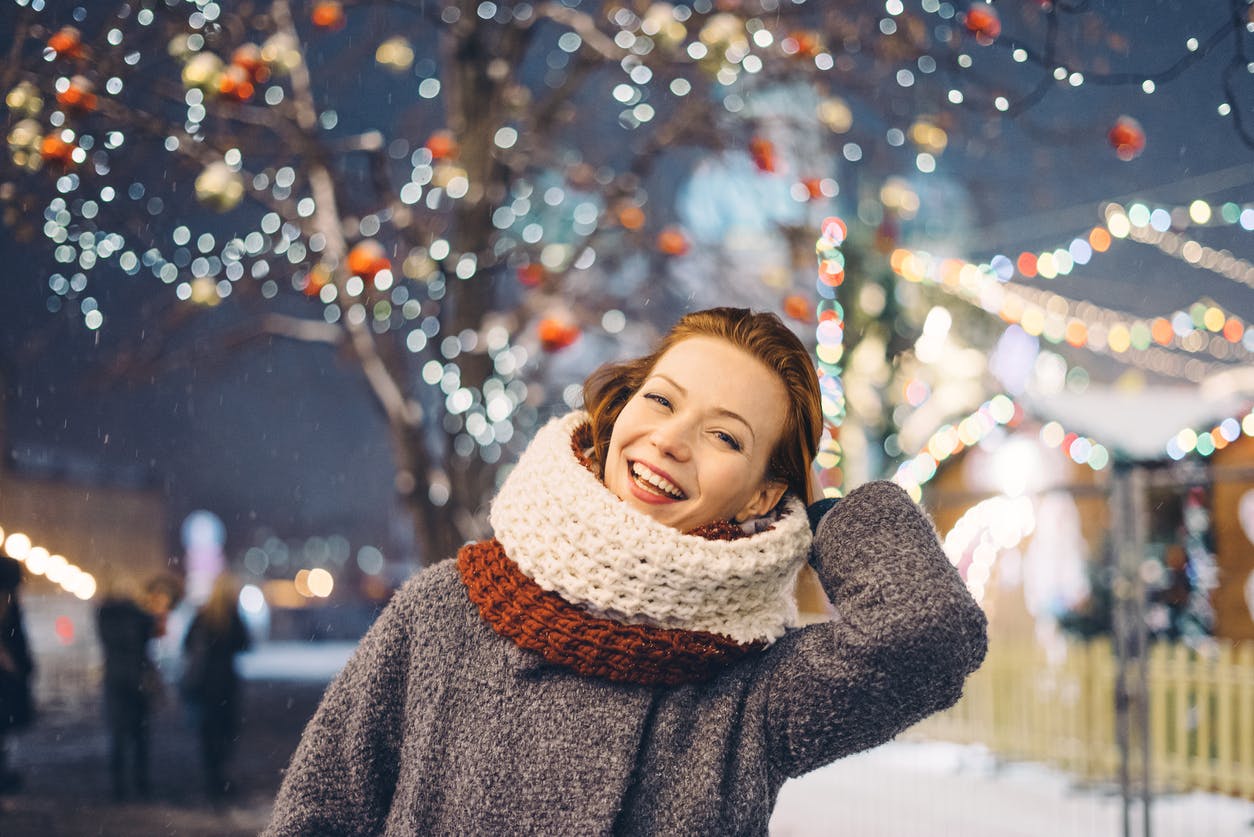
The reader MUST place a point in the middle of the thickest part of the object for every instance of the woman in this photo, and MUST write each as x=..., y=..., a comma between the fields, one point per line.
x=618, y=659
x=210, y=684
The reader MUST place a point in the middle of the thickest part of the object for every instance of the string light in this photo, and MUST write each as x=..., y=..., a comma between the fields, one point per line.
x=39, y=561
x=950, y=439
x=829, y=336
x=1206, y=442
x=1204, y=328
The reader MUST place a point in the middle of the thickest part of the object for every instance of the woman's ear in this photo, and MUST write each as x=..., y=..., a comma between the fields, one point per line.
x=762, y=501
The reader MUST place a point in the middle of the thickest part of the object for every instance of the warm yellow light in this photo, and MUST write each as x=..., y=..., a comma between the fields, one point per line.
x=320, y=583
x=37, y=560
x=302, y=583
x=1199, y=211
x=17, y=545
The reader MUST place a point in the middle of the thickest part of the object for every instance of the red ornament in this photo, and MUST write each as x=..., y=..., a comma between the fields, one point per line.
x=802, y=44
x=443, y=146
x=763, y=153
x=983, y=21
x=631, y=216
x=531, y=275
x=672, y=241
x=236, y=83
x=328, y=15
x=67, y=43
x=797, y=307
x=56, y=150
x=248, y=58
x=367, y=258
x=1127, y=137
x=556, y=334
x=78, y=96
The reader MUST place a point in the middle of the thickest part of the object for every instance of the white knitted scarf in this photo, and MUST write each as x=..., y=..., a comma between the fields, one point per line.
x=571, y=535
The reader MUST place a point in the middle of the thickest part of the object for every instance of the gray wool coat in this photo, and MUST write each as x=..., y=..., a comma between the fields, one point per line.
x=437, y=725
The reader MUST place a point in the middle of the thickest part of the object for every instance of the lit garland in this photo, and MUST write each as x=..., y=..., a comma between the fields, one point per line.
x=829, y=336
x=998, y=411
x=1205, y=443
x=1204, y=328
x=1145, y=225
x=39, y=561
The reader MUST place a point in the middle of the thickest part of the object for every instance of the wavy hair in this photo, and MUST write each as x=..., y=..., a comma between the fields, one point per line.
x=762, y=335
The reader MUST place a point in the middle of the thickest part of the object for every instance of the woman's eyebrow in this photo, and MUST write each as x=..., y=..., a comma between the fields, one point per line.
x=722, y=411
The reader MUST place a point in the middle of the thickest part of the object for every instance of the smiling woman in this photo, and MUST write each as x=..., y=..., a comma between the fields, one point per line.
x=627, y=655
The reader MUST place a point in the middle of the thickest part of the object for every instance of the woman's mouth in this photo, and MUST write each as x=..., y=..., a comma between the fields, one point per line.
x=652, y=487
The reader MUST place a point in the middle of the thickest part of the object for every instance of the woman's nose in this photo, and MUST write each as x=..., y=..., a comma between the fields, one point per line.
x=671, y=440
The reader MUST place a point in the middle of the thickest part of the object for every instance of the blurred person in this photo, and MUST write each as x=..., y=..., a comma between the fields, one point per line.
x=16, y=669
x=132, y=684
x=630, y=654
x=210, y=683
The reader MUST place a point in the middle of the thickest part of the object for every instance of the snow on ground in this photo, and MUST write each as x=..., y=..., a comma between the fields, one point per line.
x=936, y=789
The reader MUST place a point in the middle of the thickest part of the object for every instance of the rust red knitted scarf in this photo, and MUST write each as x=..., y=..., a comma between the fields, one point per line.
x=535, y=619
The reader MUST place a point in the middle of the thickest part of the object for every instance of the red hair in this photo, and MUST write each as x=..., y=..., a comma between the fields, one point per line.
x=765, y=337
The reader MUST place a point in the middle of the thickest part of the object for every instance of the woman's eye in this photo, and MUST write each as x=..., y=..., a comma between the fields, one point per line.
x=728, y=439
x=660, y=399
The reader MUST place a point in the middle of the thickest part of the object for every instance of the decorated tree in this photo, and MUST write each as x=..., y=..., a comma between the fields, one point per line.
x=476, y=201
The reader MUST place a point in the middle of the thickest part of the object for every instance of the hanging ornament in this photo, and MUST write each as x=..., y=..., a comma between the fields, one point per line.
x=219, y=187
x=672, y=241
x=445, y=173
x=1127, y=138
x=835, y=114
x=395, y=54
x=201, y=72
x=249, y=59
x=928, y=136
x=798, y=308
x=235, y=83
x=443, y=146
x=319, y=277
x=982, y=21
x=631, y=216
x=531, y=275
x=205, y=292
x=67, y=43
x=556, y=333
x=78, y=97
x=722, y=33
x=24, y=99
x=54, y=149
x=281, y=52
x=803, y=43
x=367, y=258
x=328, y=15
x=763, y=153
x=660, y=24
x=25, y=141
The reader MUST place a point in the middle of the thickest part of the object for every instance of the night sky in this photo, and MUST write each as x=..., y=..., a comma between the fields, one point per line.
x=286, y=435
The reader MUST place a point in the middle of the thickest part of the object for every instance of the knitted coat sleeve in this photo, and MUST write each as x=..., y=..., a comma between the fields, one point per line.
x=907, y=634
x=344, y=771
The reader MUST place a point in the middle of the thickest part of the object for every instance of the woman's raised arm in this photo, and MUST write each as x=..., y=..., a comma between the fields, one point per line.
x=906, y=635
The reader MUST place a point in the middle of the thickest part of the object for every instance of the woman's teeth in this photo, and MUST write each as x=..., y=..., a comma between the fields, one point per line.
x=658, y=483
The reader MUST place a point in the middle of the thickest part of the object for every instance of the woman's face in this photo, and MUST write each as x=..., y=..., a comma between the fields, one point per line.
x=691, y=446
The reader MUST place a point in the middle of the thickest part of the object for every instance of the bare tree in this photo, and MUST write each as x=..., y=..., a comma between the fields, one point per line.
x=452, y=191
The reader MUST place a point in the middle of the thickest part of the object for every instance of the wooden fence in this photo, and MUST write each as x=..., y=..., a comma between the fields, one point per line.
x=1021, y=705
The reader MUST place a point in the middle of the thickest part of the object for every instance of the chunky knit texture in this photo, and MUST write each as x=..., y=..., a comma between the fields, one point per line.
x=572, y=536
x=516, y=607
x=439, y=725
